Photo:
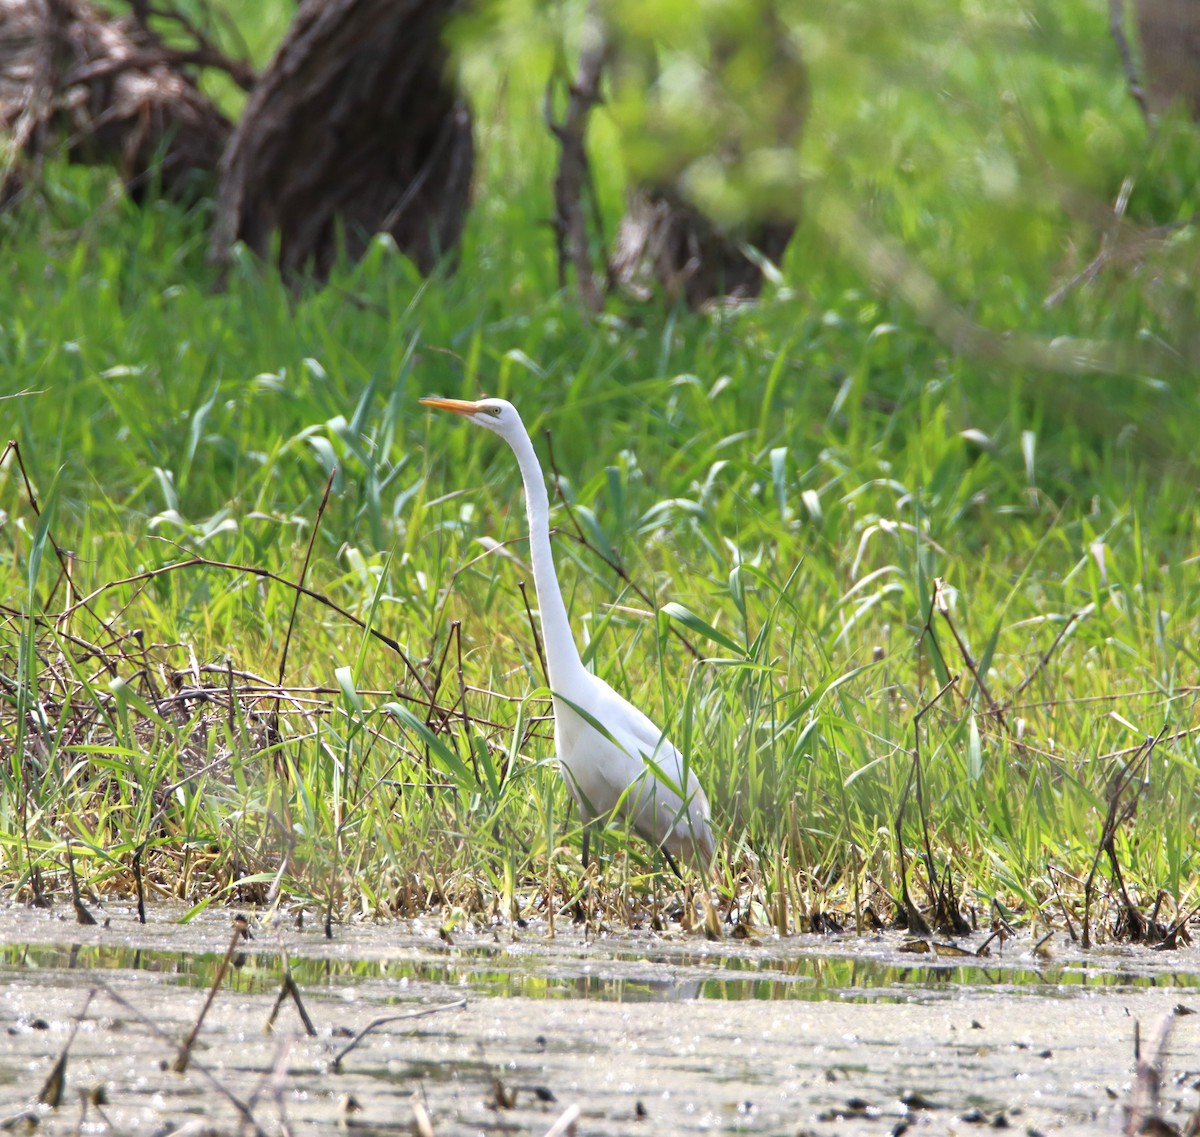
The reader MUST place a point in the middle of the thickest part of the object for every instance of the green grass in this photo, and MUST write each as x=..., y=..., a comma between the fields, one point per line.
x=785, y=482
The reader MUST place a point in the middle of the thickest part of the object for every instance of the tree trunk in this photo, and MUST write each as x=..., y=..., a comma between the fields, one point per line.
x=108, y=90
x=1169, y=34
x=664, y=240
x=354, y=129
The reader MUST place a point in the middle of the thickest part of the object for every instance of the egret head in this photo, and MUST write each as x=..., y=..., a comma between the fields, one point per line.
x=496, y=415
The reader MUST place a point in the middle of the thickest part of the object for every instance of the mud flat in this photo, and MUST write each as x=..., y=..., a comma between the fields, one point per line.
x=637, y=1033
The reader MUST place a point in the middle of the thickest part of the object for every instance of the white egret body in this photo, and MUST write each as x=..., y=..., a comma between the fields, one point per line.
x=606, y=772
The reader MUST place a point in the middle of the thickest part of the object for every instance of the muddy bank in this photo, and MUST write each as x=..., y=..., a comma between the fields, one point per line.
x=663, y=1035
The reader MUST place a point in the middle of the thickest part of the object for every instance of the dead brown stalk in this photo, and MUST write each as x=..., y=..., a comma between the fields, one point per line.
x=916, y=923
x=1123, y=795
x=273, y=719
x=241, y=931
x=386, y=1020
x=574, y=177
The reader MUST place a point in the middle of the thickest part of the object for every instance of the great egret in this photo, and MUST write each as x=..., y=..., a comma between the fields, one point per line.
x=629, y=768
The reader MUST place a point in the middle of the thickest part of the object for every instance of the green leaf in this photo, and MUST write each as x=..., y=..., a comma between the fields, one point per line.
x=974, y=751
x=196, y=909
x=345, y=680
x=450, y=762
x=700, y=627
x=128, y=698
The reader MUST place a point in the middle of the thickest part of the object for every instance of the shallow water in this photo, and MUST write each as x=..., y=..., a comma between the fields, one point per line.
x=762, y=1036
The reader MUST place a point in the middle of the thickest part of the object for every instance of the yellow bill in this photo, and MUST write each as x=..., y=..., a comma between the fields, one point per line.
x=455, y=406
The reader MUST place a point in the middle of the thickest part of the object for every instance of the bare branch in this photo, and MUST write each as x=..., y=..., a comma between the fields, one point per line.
x=574, y=178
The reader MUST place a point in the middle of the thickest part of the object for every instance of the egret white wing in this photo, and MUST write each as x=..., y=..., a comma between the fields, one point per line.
x=617, y=772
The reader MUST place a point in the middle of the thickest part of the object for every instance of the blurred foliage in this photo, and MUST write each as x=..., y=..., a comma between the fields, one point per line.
x=711, y=98
x=994, y=147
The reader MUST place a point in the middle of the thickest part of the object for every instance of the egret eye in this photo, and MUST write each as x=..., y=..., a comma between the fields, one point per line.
x=494, y=412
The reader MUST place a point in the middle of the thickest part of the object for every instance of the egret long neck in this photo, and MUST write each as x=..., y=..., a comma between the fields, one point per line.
x=562, y=656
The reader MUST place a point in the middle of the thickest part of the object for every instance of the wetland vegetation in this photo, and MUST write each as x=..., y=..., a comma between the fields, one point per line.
x=902, y=555
x=911, y=602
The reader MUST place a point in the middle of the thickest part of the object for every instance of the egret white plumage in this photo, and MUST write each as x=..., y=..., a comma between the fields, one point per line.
x=629, y=769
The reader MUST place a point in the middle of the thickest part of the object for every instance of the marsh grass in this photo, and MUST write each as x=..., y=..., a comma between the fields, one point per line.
x=782, y=530
x=418, y=775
